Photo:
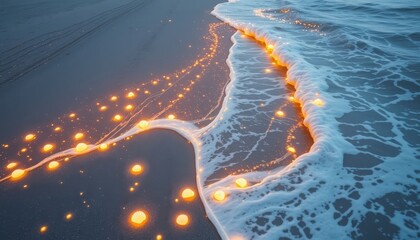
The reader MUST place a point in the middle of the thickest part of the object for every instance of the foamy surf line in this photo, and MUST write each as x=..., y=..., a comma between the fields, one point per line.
x=316, y=196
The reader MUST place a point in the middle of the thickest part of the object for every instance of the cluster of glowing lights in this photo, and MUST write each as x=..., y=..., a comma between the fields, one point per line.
x=140, y=217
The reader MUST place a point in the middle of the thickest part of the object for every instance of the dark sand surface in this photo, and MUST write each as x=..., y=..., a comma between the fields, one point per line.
x=55, y=59
x=102, y=212
x=149, y=39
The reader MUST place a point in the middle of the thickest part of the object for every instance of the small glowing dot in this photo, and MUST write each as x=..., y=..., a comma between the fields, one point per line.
x=291, y=98
x=17, y=174
x=47, y=147
x=188, y=194
x=114, y=98
x=69, y=216
x=291, y=149
x=318, y=102
x=131, y=95
x=171, y=117
x=270, y=47
x=143, y=124
x=182, y=220
x=159, y=237
x=136, y=169
x=78, y=136
x=280, y=113
x=11, y=165
x=219, y=195
x=72, y=115
x=30, y=137
x=103, y=108
x=128, y=107
x=81, y=147
x=131, y=189
x=180, y=95
x=57, y=129
x=267, y=70
x=53, y=165
x=241, y=183
x=117, y=118
x=43, y=229
x=138, y=218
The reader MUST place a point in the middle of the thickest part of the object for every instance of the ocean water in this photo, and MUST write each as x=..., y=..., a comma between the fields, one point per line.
x=355, y=66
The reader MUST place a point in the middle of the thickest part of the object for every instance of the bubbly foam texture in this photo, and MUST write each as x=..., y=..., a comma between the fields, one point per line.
x=359, y=179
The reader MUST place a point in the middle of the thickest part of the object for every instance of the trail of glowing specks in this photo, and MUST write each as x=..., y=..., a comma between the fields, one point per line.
x=158, y=104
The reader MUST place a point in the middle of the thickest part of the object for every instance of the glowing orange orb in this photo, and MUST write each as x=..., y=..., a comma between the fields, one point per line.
x=241, y=183
x=219, y=195
x=47, y=147
x=128, y=107
x=131, y=95
x=138, y=218
x=280, y=113
x=17, y=174
x=81, y=147
x=11, y=165
x=318, y=102
x=69, y=216
x=182, y=220
x=143, y=124
x=114, y=98
x=103, y=146
x=117, y=118
x=188, y=194
x=30, y=137
x=159, y=237
x=78, y=136
x=171, y=117
x=72, y=115
x=136, y=169
x=43, y=229
x=53, y=165
x=267, y=70
x=291, y=149
x=103, y=108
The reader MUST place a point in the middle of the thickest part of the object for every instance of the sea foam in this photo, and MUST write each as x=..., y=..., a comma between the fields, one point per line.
x=359, y=179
